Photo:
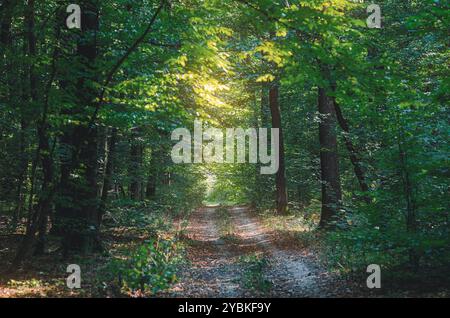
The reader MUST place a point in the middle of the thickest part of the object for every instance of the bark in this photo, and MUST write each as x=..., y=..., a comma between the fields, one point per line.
x=156, y=166
x=77, y=211
x=6, y=47
x=78, y=222
x=92, y=204
x=23, y=165
x=6, y=20
x=411, y=206
x=47, y=193
x=330, y=178
x=110, y=154
x=135, y=168
x=32, y=49
x=280, y=177
x=150, y=189
x=39, y=214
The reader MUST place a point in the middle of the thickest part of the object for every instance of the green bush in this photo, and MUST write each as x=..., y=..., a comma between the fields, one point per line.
x=253, y=276
x=150, y=268
x=352, y=249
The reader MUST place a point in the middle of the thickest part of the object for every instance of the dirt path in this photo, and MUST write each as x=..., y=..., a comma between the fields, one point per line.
x=292, y=273
x=215, y=269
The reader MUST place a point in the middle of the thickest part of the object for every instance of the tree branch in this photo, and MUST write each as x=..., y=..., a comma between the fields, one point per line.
x=120, y=62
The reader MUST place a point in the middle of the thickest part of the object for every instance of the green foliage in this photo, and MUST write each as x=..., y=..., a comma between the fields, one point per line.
x=225, y=225
x=228, y=186
x=146, y=217
x=390, y=244
x=32, y=283
x=253, y=277
x=150, y=268
x=186, y=191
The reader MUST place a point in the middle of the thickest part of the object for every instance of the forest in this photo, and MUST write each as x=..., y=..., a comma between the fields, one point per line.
x=93, y=204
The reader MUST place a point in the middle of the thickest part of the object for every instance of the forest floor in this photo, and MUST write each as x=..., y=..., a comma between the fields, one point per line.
x=229, y=252
x=232, y=254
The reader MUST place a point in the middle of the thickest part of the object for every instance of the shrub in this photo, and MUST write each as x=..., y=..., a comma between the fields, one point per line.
x=150, y=268
x=253, y=276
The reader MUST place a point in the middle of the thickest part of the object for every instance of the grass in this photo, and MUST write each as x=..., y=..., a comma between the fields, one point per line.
x=292, y=228
x=225, y=224
x=253, y=277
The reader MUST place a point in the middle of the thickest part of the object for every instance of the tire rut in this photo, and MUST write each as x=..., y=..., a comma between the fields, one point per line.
x=213, y=271
x=291, y=273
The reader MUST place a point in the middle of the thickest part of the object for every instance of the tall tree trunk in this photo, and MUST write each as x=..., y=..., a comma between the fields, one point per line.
x=136, y=154
x=39, y=214
x=92, y=203
x=77, y=218
x=411, y=206
x=32, y=78
x=150, y=190
x=23, y=165
x=77, y=211
x=280, y=177
x=6, y=47
x=5, y=24
x=331, y=185
x=110, y=154
x=47, y=193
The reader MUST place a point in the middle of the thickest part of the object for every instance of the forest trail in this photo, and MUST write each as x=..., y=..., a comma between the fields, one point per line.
x=293, y=273
x=216, y=268
x=212, y=272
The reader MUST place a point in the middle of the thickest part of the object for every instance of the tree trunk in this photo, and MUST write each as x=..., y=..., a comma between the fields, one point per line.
x=23, y=165
x=77, y=211
x=6, y=47
x=135, y=168
x=280, y=177
x=108, y=173
x=47, y=193
x=134, y=173
x=331, y=186
x=38, y=218
x=6, y=21
x=411, y=206
x=150, y=190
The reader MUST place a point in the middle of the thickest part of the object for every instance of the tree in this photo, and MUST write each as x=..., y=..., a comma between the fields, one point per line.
x=329, y=163
x=280, y=178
